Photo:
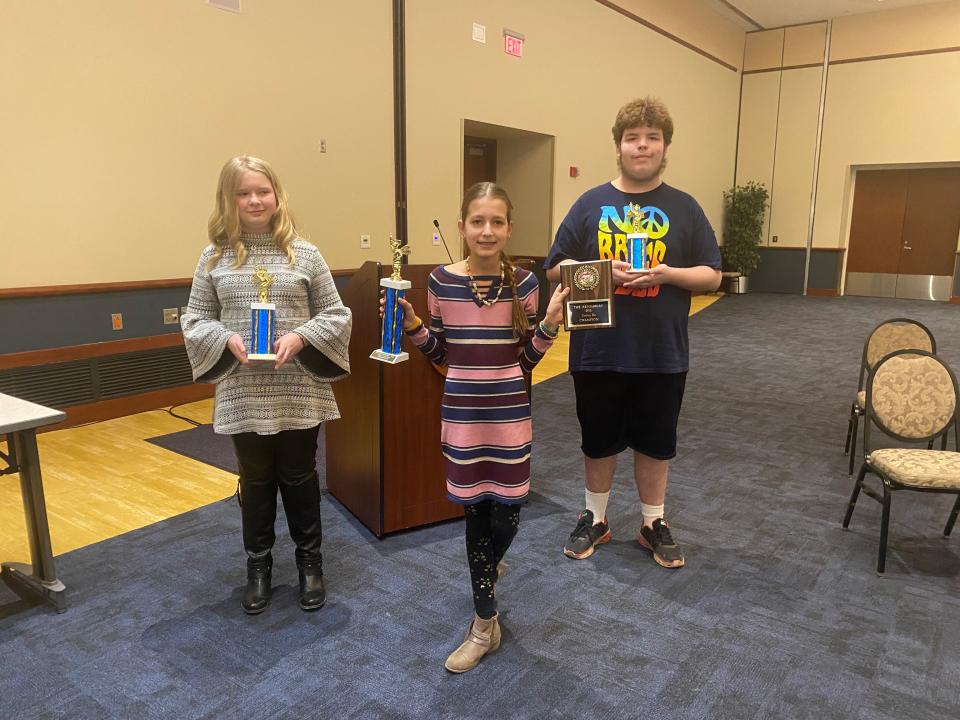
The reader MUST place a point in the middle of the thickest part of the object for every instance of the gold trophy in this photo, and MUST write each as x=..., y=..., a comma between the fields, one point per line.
x=263, y=320
x=638, y=242
x=396, y=287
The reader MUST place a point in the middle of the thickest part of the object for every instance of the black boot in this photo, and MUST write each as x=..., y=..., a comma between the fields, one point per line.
x=256, y=596
x=312, y=593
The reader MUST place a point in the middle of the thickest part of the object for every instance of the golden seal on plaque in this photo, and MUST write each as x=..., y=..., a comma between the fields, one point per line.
x=586, y=277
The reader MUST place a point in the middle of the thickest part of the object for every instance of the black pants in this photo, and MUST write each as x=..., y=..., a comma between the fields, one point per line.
x=490, y=528
x=285, y=461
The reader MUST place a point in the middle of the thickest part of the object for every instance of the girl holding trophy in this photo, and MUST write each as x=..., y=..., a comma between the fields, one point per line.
x=482, y=314
x=266, y=325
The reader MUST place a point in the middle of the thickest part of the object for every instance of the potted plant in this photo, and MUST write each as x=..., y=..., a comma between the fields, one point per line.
x=744, y=207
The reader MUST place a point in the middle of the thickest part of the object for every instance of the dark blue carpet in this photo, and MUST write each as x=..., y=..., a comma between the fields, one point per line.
x=778, y=613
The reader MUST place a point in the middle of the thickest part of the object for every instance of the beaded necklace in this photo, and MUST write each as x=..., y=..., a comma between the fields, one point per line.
x=476, y=290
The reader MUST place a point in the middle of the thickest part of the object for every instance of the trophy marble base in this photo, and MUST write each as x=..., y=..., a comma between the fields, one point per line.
x=392, y=358
x=261, y=357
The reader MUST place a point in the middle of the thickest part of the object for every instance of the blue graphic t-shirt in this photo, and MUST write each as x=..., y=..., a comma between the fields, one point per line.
x=651, y=323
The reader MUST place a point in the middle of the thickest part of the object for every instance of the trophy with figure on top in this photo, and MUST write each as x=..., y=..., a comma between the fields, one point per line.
x=395, y=288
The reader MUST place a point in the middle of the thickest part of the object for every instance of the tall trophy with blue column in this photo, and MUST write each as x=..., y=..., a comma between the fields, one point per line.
x=263, y=320
x=395, y=288
x=638, y=242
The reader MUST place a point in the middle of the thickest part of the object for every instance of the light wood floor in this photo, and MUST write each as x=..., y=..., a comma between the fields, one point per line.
x=104, y=479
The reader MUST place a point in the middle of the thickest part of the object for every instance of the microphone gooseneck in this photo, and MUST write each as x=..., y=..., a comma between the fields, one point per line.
x=436, y=224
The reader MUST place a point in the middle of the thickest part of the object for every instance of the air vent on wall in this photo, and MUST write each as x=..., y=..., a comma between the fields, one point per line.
x=58, y=385
x=61, y=385
x=142, y=372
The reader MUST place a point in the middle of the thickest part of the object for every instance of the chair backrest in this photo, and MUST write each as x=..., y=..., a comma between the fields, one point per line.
x=911, y=395
x=892, y=335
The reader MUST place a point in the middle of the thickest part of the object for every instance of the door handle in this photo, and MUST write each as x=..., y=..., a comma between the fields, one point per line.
x=907, y=247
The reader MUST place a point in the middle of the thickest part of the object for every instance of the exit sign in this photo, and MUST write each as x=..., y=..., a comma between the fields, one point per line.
x=513, y=43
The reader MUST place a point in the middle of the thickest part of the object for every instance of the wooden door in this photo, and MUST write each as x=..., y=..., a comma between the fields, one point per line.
x=876, y=223
x=931, y=222
x=479, y=165
x=479, y=161
x=903, y=233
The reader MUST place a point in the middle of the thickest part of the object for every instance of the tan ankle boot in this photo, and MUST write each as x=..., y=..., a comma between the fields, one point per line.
x=483, y=637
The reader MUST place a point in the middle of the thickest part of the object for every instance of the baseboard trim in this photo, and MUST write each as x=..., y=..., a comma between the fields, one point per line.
x=955, y=299
x=823, y=292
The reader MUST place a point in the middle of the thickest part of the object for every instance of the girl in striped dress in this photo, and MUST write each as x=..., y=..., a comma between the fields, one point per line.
x=482, y=314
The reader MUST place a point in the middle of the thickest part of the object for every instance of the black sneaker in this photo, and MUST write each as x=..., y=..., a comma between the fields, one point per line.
x=659, y=541
x=586, y=536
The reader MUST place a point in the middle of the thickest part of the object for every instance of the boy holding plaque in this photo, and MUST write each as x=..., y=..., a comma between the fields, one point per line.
x=482, y=326
x=629, y=379
x=266, y=325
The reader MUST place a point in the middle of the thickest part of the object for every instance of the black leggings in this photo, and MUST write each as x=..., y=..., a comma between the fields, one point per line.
x=286, y=461
x=490, y=528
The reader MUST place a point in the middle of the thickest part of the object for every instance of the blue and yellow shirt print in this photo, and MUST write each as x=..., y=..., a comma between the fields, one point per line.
x=612, y=239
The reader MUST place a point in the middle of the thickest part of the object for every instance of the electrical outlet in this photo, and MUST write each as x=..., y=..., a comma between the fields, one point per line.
x=322, y=145
x=117, y=320
x=364, y=242
x=774, y=238
x=171, y=316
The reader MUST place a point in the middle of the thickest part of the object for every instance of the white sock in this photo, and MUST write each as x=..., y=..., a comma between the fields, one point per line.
x=597, y=504
x=650, y=513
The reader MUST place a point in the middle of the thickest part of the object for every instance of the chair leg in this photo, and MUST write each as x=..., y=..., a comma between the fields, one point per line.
x=953, y=517
x=884, y=525
x=854, y=495
x=853, y=442
x=846, y=444
x=943, y=441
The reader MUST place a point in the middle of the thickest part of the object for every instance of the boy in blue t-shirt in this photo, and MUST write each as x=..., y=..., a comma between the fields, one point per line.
x=629, y=379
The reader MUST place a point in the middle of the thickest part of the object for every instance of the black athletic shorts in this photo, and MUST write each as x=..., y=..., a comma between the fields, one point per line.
x=635, y=410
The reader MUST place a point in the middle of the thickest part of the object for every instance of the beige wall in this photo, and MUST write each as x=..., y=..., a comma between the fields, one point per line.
x=576, y=72
x=795, y=155
x=695, y=22
x=893, y=111
x=882, y=111
x=118, y=114
x=778, y=134
x=525, y=165
x=899, y=30
x=897, y=111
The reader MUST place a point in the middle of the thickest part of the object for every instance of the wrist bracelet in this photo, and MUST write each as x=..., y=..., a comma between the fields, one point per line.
x=415, y=325
x=547, y=331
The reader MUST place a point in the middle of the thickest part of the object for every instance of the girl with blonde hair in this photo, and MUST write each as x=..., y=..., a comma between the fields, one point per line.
x=271, y=410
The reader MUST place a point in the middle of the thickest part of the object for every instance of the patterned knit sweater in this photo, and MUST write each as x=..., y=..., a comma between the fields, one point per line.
x=255, y=397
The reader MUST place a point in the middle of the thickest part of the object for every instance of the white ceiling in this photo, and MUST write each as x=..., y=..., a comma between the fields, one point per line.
x=777, y=13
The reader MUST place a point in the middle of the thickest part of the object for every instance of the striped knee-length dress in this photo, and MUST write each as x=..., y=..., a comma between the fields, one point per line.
x=485, y=417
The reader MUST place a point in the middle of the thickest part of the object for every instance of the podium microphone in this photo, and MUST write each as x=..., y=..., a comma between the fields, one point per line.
x=436, y=224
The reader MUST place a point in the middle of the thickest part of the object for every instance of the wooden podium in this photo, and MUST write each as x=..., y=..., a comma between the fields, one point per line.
x=383, y=455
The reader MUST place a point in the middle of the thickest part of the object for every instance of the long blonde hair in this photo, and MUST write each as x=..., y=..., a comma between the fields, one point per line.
x=223, y=229
x=521, y=324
